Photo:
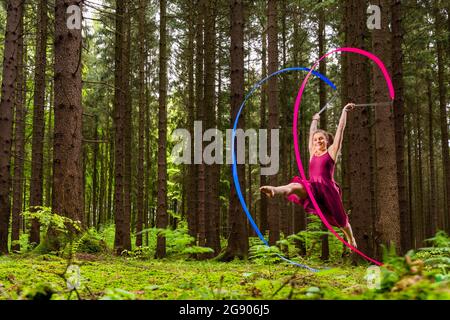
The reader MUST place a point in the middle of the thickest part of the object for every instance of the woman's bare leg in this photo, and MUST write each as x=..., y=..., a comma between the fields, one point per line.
x=349, y=235
x=286, y=190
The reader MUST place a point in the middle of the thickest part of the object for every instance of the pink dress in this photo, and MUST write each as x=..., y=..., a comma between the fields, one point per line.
x=326, y=191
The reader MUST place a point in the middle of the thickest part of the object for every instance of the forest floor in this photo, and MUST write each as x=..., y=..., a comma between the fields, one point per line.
x=31, y=276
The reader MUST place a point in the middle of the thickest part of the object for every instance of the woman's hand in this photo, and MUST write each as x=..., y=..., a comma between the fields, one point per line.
x=268, y=191
x=349, y=107
x=316, y=117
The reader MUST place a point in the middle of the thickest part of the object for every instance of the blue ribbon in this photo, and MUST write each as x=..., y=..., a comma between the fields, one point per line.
x=233, y=155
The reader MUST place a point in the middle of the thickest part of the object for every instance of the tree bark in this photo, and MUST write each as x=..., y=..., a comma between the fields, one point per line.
x=122, y=234
x=322, y=101
x=273, y=210
x=388, y=216
x=192, y=192
x=128, y=125
x=432, y=221
x=142, y=106
x=10, y=72
x=212, y=232
x=439, y=21
x=238, y=237
x=358, y=132
x=199, y=84
x=161, y=214
x=67, y=154
x=19, y=141
x=399, y=119
x=37, y=158
x=263, y=223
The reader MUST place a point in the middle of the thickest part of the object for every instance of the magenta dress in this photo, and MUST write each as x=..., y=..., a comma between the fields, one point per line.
x=326, y=191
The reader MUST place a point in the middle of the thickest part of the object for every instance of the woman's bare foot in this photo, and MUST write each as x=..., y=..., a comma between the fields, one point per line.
x=269, y=191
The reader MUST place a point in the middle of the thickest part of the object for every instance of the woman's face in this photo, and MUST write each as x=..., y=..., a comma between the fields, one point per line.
x=320, y=141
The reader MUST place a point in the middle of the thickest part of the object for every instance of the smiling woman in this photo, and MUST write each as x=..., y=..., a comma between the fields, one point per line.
x=323, y=150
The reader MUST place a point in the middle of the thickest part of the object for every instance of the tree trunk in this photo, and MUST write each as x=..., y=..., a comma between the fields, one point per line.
x=49, y=138
x=388, y=216
x=128, y=125
x=161, y=214
x=358, y=132
x=19, y=142
x=37, y=158
x=122, y=234
x=192, y=192
x=273, y=210
x=263, y=223
x=399, y=118
x=212, y=233
x=322, y=101
x=10, y=73
x=238, y=237
x=67, y=154
x=142, y=106
x=439, y=21
x=95, y=176
x=201, y=174
x=418, y=219
x=432, y=221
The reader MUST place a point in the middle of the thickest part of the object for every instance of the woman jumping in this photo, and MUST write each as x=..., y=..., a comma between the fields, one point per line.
x=323, y=154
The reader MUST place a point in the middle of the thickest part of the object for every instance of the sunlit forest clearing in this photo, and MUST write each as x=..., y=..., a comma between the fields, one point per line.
x=95, y=204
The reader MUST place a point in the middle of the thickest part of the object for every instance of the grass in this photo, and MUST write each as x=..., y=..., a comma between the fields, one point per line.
x=117, y=277
x=107, y=277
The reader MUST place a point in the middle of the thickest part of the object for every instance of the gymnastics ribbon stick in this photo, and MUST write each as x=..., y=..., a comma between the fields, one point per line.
x=328, y=103
x=376, y=104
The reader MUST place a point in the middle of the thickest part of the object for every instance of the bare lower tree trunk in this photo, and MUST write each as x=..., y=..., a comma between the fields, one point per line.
x=95, y=157
x=199, y=84
x=410, y=184
x=238, y=237
x=273, y=210
x=128, y=124
x=358, y=133
x=67, y=163
x=419, y=195
x=192, y=192
x=37, y=158
x=439, y=21
x=322, y=101
x=399, y=118
x=388, y=216
x=263, y=223
x=122, y=235
x=142, y=106
x=212, y=234
x=161, y=214
x=19, y=142
x=10, y=71
x=49, y=153
x=432, y=221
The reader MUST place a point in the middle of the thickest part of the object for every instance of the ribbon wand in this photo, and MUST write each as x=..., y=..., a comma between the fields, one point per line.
x=328, y=104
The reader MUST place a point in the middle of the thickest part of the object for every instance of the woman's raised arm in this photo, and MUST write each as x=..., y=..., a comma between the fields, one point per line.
x=337, y=144
x=313, y=129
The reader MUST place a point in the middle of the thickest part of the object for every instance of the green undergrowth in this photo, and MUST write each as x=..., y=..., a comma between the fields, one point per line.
x=107, y=277
x=86, y=268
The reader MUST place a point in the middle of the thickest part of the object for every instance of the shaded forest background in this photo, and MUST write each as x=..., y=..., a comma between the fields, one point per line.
x=86, y=118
